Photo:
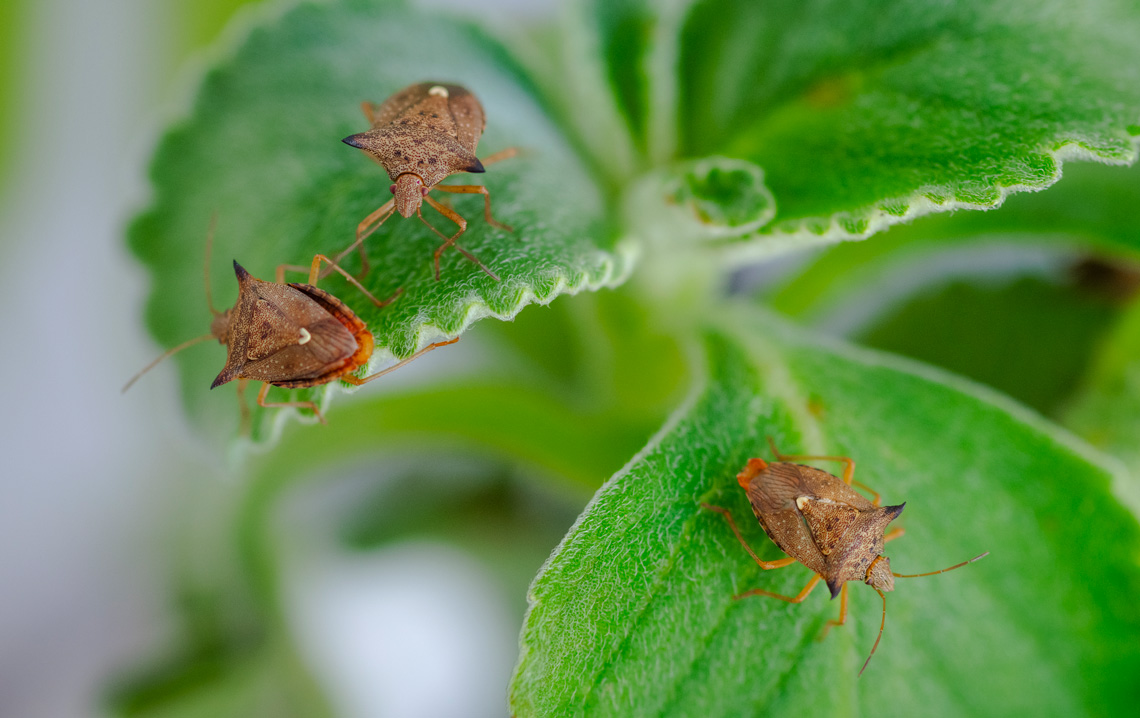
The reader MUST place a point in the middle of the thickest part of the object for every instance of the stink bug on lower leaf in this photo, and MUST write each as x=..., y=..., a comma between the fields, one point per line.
x=421, y=135
x=820, y=521
x=289, y=335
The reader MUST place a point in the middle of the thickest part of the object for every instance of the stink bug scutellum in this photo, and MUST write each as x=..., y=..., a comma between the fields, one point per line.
x=421, y=135
x=289, y=335
x=820, y=521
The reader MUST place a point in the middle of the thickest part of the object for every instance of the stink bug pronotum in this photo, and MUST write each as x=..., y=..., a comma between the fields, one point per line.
x=421, y=135
x=820, y=521
x=289, y=335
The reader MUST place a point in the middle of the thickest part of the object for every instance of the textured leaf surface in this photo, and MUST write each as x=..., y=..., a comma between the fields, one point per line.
x=262, y=149
x=864, y=116
x=634, y=615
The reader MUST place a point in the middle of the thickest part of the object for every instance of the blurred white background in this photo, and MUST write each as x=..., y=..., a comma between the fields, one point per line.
x=92, y=481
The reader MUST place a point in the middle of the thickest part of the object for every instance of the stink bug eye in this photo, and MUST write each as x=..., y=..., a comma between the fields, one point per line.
x=392, y=188
x=429, y=130
x=820, y=521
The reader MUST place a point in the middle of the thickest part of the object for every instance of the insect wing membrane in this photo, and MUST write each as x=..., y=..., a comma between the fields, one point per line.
x=776, y=488
x=291, y=336
x=773, y=494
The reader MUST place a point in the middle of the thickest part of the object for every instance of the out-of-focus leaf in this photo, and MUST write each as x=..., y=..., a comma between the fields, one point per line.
x=1107, y=410
x=634, y=615
x=1031, y=338
x=1019, y=298
x=258, y=680
x=13, y=30
x=862, y=117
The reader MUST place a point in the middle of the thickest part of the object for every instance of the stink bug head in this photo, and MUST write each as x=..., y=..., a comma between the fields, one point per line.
x=879, y=574
x=409, y=190
x=220, y=326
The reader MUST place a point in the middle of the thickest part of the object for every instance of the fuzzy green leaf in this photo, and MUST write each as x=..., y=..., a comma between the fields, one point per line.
x=261, y=149
x=863, y=116
x=634, y=615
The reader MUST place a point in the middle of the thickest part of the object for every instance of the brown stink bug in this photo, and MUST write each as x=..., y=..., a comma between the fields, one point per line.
x=289, y=335
x=819, y=520
x=421, y=135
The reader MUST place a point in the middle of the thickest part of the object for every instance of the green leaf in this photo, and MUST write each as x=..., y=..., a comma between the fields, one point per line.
x=250, y=679
x=261, y=149
x=15, y=17
x=1020, y=299
x=1107, y=409
x=714, y=199
x=865, y=116
x=634, y=615
x=1031, y=337
x=1092, y=211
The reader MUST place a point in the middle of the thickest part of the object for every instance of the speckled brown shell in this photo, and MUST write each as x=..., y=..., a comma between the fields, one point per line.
x=426, y=132
x=291, y=335
x=820, y=521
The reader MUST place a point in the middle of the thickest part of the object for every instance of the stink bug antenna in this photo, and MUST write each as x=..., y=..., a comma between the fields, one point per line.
x=935, y=573
x=209, y=303
x=165, y=354
x=884, y=597
x=882, y=625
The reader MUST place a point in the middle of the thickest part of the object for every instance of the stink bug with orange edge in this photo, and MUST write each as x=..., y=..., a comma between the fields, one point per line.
x=820, y=521
x=289, y=335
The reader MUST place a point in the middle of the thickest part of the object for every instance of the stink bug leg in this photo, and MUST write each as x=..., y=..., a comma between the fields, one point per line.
x=766, y=565
x=367, y=226
x=476, y=189
x=282, y=404
x=358, y=381
x=450, y=241
x=314, y=275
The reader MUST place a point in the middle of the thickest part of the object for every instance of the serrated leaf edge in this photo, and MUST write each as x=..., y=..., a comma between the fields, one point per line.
x=775, y=238
x=616, y=267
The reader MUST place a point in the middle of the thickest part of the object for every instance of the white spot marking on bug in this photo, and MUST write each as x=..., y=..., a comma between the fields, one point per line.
x=801, y=501
x=305, y=336
x=438, y=91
